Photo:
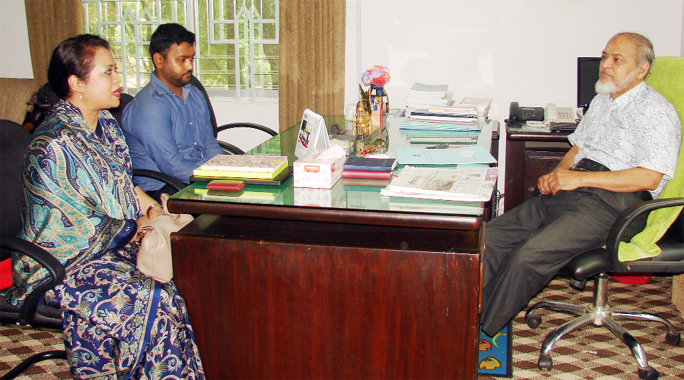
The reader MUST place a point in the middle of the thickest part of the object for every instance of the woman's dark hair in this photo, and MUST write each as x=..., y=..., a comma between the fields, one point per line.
x=73, y=56
x=168, y=35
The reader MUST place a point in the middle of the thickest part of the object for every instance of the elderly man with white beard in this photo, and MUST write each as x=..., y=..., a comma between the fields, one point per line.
x=623, y=151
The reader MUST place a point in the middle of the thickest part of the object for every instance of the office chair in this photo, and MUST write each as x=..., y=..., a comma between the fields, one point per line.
x=667, y=77
x=34, y=312
x=227, y=147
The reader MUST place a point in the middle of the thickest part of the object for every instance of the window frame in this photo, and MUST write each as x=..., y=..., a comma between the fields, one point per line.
x=191, y=9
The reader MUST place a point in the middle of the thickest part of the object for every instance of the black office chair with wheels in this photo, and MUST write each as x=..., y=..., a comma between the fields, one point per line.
x=14, y=140
x=227, y=147
x=667, y=77
x=34, y=312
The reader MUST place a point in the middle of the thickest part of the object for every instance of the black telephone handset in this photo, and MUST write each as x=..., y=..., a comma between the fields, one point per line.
x=518, y=115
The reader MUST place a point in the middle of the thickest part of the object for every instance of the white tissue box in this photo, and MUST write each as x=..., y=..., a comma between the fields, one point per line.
x=318, y=172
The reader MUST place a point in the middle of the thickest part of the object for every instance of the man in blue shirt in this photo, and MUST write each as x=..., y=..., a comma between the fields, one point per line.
x=167, y=125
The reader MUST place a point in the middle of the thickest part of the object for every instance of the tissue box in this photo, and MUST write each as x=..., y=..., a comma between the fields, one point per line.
x=334, y=197
x=317, y=172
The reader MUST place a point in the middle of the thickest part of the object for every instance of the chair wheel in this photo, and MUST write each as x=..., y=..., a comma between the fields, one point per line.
x=545, y=362
x=533, y=321
x=673, y=339
x=648, y=374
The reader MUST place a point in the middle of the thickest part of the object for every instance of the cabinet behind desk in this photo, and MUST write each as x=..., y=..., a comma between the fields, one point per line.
x=529, y=154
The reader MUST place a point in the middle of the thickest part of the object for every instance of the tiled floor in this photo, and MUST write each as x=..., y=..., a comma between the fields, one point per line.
x=590, y=353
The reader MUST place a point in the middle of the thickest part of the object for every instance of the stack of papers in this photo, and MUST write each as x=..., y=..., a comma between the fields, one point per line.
x=442, y=124
x=467, y=184
x=425, y=95
x=482, y=105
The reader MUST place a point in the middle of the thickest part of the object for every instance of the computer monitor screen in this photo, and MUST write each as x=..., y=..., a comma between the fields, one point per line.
x=587, y=75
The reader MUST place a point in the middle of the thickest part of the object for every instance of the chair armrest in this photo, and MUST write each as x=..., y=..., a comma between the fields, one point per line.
x=45, y=259
x=159, y=176
x=229, y=148
x=620, y=231
x=247, y=125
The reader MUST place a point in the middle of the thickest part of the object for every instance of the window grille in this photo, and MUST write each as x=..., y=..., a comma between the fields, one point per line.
x=236, y=48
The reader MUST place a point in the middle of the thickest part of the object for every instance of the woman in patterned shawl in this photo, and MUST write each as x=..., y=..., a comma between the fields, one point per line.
x=81, y=206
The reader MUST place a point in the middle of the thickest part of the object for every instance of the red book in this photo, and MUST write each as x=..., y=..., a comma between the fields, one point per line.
x=226, y=185
x=365, y=174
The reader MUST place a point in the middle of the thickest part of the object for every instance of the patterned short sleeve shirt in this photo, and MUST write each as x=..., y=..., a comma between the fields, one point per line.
x=638, y=129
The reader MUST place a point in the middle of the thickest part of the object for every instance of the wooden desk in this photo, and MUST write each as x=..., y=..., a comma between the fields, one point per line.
x=530, y=154
x=293, y=292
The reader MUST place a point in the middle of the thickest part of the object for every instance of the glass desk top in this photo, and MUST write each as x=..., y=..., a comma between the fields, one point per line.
x=340, y=196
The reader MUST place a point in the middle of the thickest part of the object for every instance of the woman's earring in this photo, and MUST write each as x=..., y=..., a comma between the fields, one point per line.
x=80, y=96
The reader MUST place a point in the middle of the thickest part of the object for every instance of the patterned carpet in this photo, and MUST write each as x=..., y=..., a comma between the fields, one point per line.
x=590, y=353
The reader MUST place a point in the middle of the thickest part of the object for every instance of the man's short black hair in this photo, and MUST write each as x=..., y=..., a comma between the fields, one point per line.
x=168, y=35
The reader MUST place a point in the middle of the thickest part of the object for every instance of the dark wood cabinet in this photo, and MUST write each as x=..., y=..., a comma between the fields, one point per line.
x=529, y=155
x=276, y=292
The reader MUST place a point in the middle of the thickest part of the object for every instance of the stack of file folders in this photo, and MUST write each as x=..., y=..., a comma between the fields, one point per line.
x=425, y=95
x=457, y=124
x=363, y=171
x=245, y=167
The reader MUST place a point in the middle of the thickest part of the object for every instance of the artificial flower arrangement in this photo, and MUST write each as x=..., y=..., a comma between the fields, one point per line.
x=378, y=76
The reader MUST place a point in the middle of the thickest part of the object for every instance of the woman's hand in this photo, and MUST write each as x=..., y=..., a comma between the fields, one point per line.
x=149, y=208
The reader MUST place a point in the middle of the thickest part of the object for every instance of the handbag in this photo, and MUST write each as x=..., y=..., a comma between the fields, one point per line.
x=154, y=255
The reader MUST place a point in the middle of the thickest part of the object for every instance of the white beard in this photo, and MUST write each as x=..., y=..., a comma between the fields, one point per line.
x=603, y=88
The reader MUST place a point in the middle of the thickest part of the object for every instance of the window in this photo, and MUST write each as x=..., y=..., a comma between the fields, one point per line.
x=236, y=48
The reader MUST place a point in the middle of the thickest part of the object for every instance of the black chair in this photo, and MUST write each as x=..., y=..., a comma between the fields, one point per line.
x=666, y=77
x=34, y=312
x=14, y=140
x=227, y=147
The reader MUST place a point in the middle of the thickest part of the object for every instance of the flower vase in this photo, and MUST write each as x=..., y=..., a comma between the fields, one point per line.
x=379, y=104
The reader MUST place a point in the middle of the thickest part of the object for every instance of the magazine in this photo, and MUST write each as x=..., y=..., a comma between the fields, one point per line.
x=468, y=184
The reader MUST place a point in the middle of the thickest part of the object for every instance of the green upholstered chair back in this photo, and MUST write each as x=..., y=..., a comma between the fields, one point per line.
x=667, y=77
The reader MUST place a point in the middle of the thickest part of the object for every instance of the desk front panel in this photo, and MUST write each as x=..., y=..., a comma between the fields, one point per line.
x=273, y=299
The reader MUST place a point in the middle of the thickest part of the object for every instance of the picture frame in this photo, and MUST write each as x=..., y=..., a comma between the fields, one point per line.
x=313, y=133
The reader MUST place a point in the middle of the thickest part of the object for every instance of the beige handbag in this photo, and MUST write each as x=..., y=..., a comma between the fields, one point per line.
x=154, y=255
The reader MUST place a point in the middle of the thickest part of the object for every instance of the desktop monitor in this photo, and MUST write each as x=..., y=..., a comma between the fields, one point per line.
x=587, y=76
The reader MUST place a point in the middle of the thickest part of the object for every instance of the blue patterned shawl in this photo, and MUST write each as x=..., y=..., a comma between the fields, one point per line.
x=77, y=193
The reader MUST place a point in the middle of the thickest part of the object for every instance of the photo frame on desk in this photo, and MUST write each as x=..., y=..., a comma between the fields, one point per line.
x=313, y=133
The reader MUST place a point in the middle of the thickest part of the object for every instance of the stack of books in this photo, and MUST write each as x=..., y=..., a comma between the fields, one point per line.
x=482, y=105
x=363, y=171
x=457, y=124
x=424, y=95
x=224, y=166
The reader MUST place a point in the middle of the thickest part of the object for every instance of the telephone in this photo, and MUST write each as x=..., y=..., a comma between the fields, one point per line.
x=557, y=119
x=518, y=115
x=559, y=115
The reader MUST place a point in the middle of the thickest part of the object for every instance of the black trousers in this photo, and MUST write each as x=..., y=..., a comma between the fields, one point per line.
x=526, y=247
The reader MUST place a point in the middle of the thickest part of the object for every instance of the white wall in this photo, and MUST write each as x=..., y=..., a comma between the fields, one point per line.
x=15, y=60
x=523, y=50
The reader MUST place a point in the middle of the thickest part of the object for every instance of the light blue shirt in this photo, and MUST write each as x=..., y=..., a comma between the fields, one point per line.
x=638, y=129
x=168, y=134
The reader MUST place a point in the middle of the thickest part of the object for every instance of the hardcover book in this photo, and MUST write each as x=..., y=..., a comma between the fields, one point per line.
x=226, y=174
x=370, y=164
x=245, y=163
x=365, y=174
